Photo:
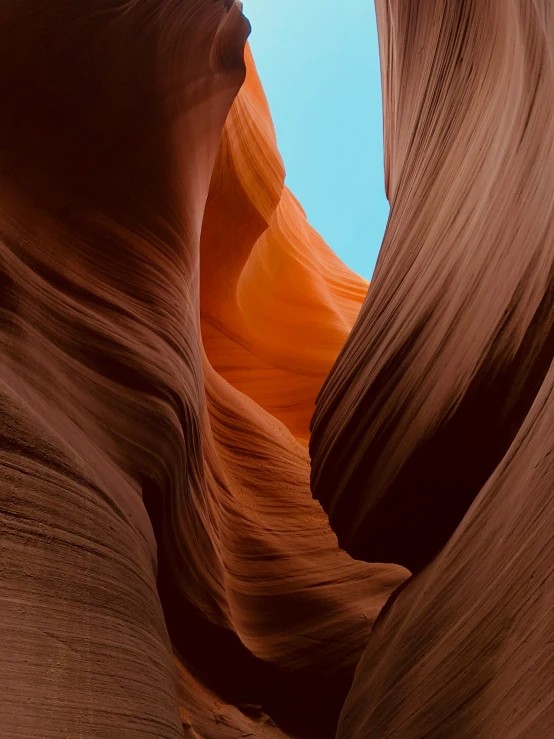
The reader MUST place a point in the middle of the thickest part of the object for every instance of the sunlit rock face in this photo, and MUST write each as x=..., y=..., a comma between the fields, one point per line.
x=276, y=302
x=432, y=440
x=165, y=570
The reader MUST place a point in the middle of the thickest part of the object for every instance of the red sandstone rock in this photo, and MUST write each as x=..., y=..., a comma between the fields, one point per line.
x=432, y=441
x=167, y=319
x=466, y=648
x=455, y=336
x=165, y=570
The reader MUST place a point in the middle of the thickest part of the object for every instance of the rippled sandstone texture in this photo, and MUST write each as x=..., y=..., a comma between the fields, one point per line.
x=433, y=436
x=164, y=569
x=168, y=318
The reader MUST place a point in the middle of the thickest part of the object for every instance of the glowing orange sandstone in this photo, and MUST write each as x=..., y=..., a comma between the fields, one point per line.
x=276, y=302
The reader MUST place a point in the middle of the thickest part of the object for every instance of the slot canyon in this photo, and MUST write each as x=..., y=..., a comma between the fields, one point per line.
x=244, y=492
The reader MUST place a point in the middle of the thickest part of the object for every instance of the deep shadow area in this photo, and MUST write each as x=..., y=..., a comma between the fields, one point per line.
x=412, y=519
x=304, y=705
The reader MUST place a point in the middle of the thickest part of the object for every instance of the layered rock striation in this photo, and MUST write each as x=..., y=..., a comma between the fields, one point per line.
x=165, y=570
x=432, y=438
x=168, y=319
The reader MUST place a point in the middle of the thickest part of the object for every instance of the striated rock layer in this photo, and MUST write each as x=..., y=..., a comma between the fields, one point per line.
x=433, y=436
x=276, y=302
x=456, y=335
x=466, y=647
x=165, y=571
x=167, y=320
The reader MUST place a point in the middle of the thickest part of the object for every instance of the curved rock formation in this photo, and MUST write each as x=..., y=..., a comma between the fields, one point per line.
x=167, y=320
x=111, y=119
x=466, y=648
x=432, y=440
x=165, y=570
x=277, y=304
x=455, y=337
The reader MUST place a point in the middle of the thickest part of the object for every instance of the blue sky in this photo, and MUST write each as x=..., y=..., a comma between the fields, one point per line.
x=319, y=63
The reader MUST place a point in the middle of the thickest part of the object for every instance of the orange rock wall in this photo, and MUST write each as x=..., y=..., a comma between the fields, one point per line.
x=276, y=302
